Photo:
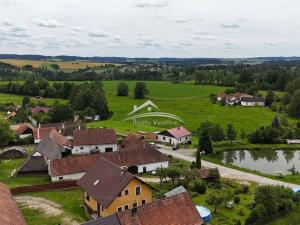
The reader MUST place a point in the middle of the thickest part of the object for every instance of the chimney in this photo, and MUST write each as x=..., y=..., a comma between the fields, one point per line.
x=38, y=133
x=39, y=125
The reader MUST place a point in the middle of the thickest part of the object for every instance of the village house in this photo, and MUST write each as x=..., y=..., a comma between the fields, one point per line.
x=175, y=136
x=253, y=101
x=94, y=141
x=13, y=152
x=23, y=130
x=39, y=109
x=177, y=209
x=135, y=155
x=108, y=189
x=51, y=147
x=10, y=214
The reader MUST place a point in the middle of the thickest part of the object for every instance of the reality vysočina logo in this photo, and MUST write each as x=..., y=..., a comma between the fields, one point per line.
x=148, y=114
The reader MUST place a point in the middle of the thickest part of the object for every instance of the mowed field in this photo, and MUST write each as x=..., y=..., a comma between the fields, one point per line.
x=188, y=101
x=64, y=65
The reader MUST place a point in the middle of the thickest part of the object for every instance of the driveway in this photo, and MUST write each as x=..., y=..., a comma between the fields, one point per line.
x=225, y=172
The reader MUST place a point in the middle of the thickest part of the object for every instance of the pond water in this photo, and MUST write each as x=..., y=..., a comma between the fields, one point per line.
x=264, y=161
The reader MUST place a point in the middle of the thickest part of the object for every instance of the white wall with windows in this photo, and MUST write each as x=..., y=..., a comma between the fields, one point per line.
x=86, y=149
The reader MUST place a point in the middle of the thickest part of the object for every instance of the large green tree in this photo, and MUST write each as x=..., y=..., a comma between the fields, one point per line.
x=122, y=89
x=140, y=90
x=294, y=106
x=205, y=142
x=231, y=132
x=6, y=135
x=61, y=113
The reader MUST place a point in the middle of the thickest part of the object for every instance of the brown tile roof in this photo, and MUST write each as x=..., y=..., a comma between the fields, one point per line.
x=58, y=138
x=65, y=128
x=104, y=181
x=23, y=127
x=94, y=137
x=175, y=210
x=9, y=211
x=177, y=132
x=129, y=155
x=39, y=133
x=39, y=109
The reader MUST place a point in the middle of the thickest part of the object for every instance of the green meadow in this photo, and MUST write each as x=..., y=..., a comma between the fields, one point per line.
x=188, y=101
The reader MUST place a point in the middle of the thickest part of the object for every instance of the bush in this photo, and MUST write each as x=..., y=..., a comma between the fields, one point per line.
x=199, y=186
x=122, y=89
x=237, y=199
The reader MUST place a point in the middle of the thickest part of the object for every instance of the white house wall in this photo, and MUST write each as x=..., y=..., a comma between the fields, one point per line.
x=172, y=140
x=77, y=176
x=86, y=149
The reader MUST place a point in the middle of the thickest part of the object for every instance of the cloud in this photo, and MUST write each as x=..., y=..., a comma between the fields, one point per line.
x=77, y=29
x=117, y=38
x=231, y=45
x=7, y=23
x=50, y=23
x=99, y=34
x=274, y=42
x=230, y=25
x=180, y=20
x=153, y=4
x=16, y=31
x=19, y=29
x=149, y=42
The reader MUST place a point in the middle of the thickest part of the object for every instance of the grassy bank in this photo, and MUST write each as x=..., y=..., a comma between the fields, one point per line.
x=295, y=179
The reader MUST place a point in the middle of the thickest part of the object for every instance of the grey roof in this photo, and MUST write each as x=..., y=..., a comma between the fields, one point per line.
x=253, y=99
x=34, y=164
x=175, y=191
x=50, y=149
x=109, y=220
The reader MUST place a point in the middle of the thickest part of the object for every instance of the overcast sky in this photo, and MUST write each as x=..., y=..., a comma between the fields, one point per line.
x=151, y=28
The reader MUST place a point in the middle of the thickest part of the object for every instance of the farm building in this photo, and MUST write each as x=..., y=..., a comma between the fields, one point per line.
x=253, y=101
x=15, y=152
x=66, y=128
x=94, y=141
x=39, y=109
x=136, y=157
x=232, y=99
x=50, y=148
x=175, y=136
x=178, y=207
x=25, y=130
x=10, y=214
x=107, y=188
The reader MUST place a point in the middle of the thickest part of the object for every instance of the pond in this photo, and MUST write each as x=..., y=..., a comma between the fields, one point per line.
x=264, y=161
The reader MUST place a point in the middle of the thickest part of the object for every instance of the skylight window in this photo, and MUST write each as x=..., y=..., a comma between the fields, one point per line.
x=96, y=182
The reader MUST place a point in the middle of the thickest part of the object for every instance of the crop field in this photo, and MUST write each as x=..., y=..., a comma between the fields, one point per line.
x=64, y=65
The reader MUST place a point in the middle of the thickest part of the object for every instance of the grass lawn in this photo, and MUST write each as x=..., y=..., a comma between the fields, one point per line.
x=292, y=218
x=70, y=200
x=190, y=102
x=6, y=168
x=17, y=99
x=223, y=215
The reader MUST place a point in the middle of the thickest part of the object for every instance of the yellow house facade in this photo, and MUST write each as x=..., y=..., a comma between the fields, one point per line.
x=135, y=194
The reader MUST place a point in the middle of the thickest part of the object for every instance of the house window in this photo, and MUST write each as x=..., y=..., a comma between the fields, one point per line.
x=119, y=209
x=186, y=138
x=126, y=207
x=87, y=197
x=61, y=178
x=134, y=205
x=96, y=147
x=144, y=202
x=138, y=190
x=164, y=138
x=120, y=194
x=126, y=192
x=81, y=148
x=144, y=169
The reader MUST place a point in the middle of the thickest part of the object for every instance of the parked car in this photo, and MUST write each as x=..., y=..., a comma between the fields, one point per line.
x=176, y=147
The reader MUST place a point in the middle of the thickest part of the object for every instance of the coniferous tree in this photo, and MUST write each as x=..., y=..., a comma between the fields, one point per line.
x=205, y=142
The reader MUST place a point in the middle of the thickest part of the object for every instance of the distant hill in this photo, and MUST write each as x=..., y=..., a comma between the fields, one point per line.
x=149, y=60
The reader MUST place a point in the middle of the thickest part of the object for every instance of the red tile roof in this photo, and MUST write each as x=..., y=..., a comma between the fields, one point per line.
x=39, y=109
x=39, y=133
x=179, y=132
x=22, y=128
x=175, y=210
x=9, y=211
x=94, y=137
x=130, y=155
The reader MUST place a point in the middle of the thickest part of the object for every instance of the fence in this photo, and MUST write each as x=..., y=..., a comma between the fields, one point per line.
x=44, y=187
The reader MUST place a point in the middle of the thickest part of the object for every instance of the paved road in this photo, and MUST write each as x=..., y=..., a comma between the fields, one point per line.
x=225, y=172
